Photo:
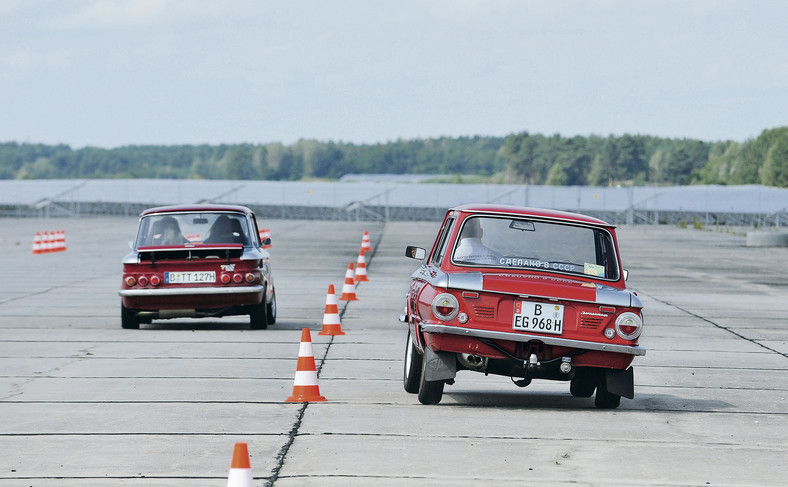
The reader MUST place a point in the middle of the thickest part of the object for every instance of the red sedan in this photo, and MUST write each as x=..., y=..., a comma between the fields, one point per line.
x=197, y=261
x=524, y=293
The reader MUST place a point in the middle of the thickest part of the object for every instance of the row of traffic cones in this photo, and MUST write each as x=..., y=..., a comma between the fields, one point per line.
x=305, y=386
x=54, y=241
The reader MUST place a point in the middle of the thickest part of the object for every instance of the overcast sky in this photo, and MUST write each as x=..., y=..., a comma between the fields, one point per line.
x=113, y=73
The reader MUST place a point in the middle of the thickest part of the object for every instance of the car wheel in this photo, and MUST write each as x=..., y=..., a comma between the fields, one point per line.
x=605, y=399
x=430, y=392
x=411, y=374
x=258, y=319
x=270, y=309
x=128, y=319
x=584, y=382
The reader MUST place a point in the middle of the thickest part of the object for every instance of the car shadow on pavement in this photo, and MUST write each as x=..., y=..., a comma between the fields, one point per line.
x=196, y=325
x=565, y=401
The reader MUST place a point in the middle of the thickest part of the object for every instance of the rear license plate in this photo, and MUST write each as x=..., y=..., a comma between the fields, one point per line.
x=189, y=277
x=538, y=317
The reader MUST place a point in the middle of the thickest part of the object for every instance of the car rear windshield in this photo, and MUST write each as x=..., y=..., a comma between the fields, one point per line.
x=178, y=229
x=537, y=245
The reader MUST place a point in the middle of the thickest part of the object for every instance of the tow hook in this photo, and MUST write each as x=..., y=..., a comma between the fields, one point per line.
x=566, y=364
x=533, y=362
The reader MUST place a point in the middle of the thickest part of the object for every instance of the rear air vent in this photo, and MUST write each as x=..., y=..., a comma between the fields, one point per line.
x=591, y=320
x=484, y=312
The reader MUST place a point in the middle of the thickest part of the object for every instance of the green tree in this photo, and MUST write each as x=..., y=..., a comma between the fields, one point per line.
x=557, y=176
x=775, y=168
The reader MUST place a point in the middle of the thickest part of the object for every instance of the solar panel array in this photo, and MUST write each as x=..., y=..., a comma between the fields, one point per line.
x=386, y=200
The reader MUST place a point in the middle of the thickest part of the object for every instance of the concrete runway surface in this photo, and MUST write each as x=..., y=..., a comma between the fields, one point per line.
x=84, y=402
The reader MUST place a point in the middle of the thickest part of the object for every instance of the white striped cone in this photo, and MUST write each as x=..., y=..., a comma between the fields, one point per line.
x=240, y=471
x=60, y=241
x=331, y=322
x=38, y=247
x=366, y=246
x=305, y=388
x=349, y=288
x=46, y=243
x=361, y=267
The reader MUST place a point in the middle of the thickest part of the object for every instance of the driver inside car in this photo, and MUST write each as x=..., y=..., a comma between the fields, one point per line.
x=471, y=249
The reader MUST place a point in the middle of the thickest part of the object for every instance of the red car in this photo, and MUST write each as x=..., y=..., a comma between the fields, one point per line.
x=525, y=293
x=197, y=261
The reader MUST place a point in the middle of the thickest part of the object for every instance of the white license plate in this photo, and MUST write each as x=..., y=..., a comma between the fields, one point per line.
x=189, y=277
x=538, y=317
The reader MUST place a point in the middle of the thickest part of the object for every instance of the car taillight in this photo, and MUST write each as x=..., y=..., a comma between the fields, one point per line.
x=629, y=325
x=237, y=278
x=225, y=278
x=130, y=281
x=445, y=306
x=143, y=281
x=155, y=280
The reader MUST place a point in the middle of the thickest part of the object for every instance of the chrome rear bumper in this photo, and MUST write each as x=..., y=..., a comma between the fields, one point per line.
x=190, y=291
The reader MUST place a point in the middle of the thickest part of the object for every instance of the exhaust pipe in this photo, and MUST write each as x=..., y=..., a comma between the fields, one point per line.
x=472, y=362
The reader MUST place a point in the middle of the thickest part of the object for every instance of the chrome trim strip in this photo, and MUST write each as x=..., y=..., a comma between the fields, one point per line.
x=186, y=291
x=523, y=337
x=474, y=281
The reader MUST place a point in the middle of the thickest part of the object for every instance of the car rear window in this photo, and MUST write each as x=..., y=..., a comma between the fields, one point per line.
x=179, y=229
x=537, y=245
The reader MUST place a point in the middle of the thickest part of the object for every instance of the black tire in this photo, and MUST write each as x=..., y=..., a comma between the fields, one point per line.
x=258, y=317
x=270, y=310
x=128, y=319
x=584, y=382
x=430, y=392
x=605, y=399
x=411, y=371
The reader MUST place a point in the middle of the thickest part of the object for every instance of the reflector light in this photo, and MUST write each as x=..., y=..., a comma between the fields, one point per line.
x=237, y=278
x=130, y=281
x=445, y=306
x=143, y=281
x=629, y=325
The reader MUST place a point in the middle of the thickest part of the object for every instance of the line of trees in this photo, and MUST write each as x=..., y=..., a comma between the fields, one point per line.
x=518, y=158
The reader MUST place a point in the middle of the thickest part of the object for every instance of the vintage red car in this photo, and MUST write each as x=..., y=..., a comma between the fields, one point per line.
x=197, y=261
x=525, y=293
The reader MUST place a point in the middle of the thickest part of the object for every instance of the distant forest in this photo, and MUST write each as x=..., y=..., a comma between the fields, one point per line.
x=518, y=158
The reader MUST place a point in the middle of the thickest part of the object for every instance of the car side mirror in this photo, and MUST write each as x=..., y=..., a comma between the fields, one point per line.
x=626, y=274
x=415, y=252
x=266, y=241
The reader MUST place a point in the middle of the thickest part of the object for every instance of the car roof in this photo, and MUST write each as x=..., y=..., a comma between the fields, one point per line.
x=531, y=212
x=196, y=208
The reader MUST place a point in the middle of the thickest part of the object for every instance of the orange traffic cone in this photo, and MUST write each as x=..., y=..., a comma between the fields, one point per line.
x=60, y=241
x=46, y=243
x=240, y=472
x=365, y=245
x=305, y=388
x=265, y=233
x=349, y=288
x=331, y=323
x=361, y=267
x=38, y=247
